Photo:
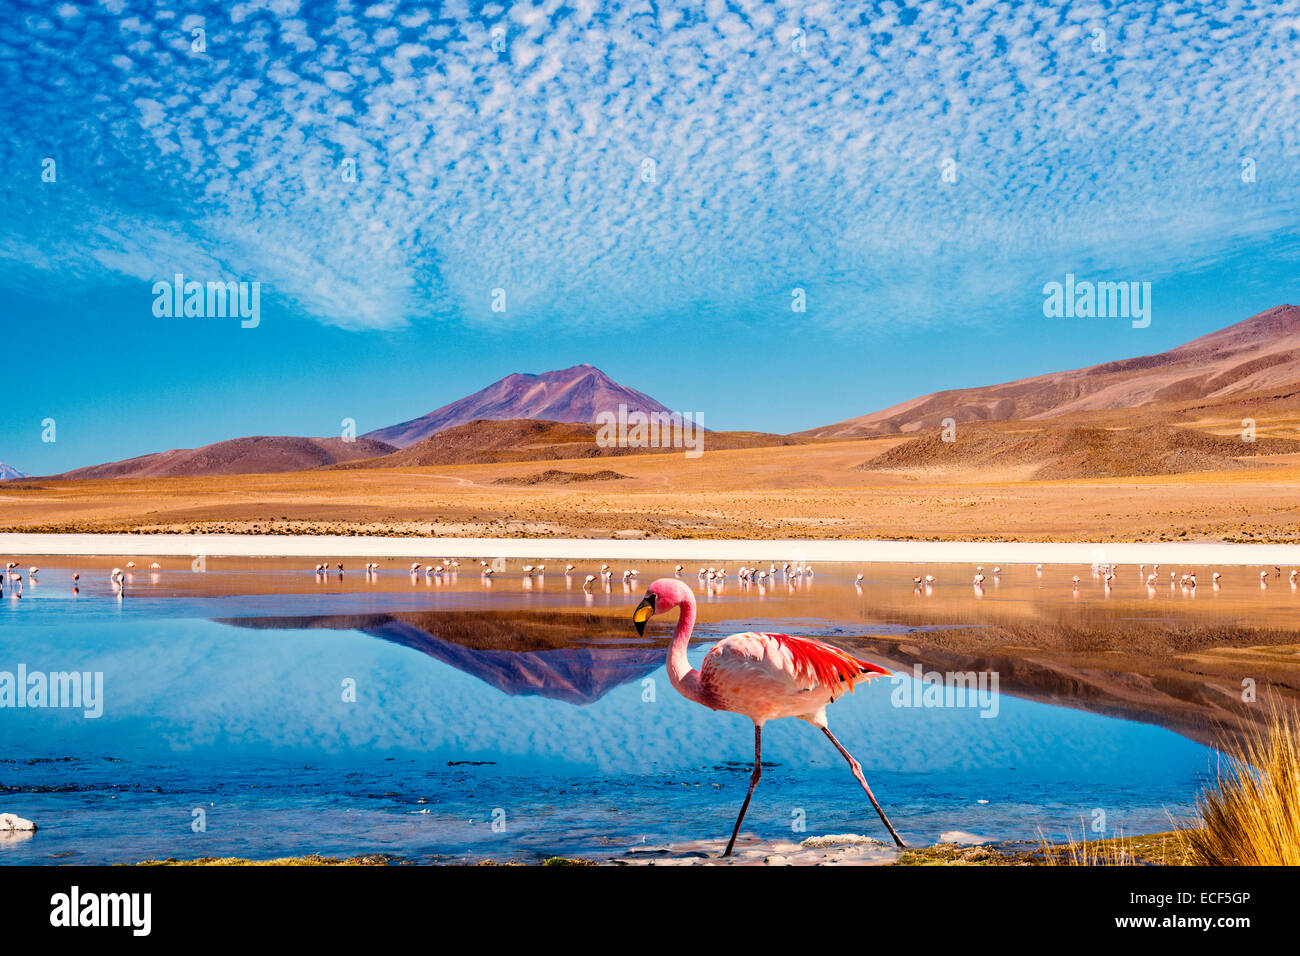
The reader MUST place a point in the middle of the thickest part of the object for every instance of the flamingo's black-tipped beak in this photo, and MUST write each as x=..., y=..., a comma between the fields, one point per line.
x=643, y=612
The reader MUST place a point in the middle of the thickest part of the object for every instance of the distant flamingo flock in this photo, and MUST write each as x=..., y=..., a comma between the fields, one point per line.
x=714, y=579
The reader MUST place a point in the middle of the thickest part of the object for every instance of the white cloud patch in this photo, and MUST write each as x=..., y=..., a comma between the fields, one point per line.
x=622, y=163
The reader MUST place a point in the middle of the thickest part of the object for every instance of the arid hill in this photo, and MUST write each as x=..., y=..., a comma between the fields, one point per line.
x=1077, y=451
x=576, y=394
x=528, y=439
x=8, y=472
x=1258, y=357
x=238, y=456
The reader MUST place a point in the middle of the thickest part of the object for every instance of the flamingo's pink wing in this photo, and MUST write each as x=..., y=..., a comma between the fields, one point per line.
x=828, y=665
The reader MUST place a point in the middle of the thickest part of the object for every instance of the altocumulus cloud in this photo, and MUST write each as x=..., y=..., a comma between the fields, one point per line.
x=620, y=162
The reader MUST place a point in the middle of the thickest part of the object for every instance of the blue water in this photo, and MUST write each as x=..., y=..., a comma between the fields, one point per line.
x=235, y=707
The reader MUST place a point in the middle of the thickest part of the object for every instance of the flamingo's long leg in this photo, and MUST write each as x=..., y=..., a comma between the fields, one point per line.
x=753, y=782
x=857, y=772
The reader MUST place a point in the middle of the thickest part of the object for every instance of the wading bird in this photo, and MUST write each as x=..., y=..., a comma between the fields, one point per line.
x=763, y=676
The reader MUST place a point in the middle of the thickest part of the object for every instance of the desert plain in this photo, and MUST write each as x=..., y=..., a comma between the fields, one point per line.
x=812, y=491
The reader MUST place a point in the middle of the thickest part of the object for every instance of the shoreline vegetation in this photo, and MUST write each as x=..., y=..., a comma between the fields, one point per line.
x=1161, y=849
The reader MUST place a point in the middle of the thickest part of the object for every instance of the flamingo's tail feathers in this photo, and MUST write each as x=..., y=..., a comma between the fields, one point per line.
x=830, y=666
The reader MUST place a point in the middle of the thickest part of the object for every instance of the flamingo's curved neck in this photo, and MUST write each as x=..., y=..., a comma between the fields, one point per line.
x=680, y=673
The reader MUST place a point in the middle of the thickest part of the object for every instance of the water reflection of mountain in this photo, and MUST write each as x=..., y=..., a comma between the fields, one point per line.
x=577, y=658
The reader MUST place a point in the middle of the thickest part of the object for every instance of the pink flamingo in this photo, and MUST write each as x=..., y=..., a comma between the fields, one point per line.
x=763, y=676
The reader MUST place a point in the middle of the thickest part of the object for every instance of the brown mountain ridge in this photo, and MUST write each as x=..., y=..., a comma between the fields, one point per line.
x=1259, y=356
x=237, y=456
x=486, y=441
x=1077, y=451
x=576, y=394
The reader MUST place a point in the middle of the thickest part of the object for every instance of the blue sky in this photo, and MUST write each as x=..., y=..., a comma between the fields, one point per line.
x=646, y=182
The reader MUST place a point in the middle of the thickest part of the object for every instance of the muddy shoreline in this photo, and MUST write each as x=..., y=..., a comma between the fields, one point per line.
x=1190, y=685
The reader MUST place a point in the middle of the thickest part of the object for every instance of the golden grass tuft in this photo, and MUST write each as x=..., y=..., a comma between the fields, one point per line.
x=1085, y=852
x=1251, y=815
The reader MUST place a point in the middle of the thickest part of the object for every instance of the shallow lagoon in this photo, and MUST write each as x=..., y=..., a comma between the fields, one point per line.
x=509, y=721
